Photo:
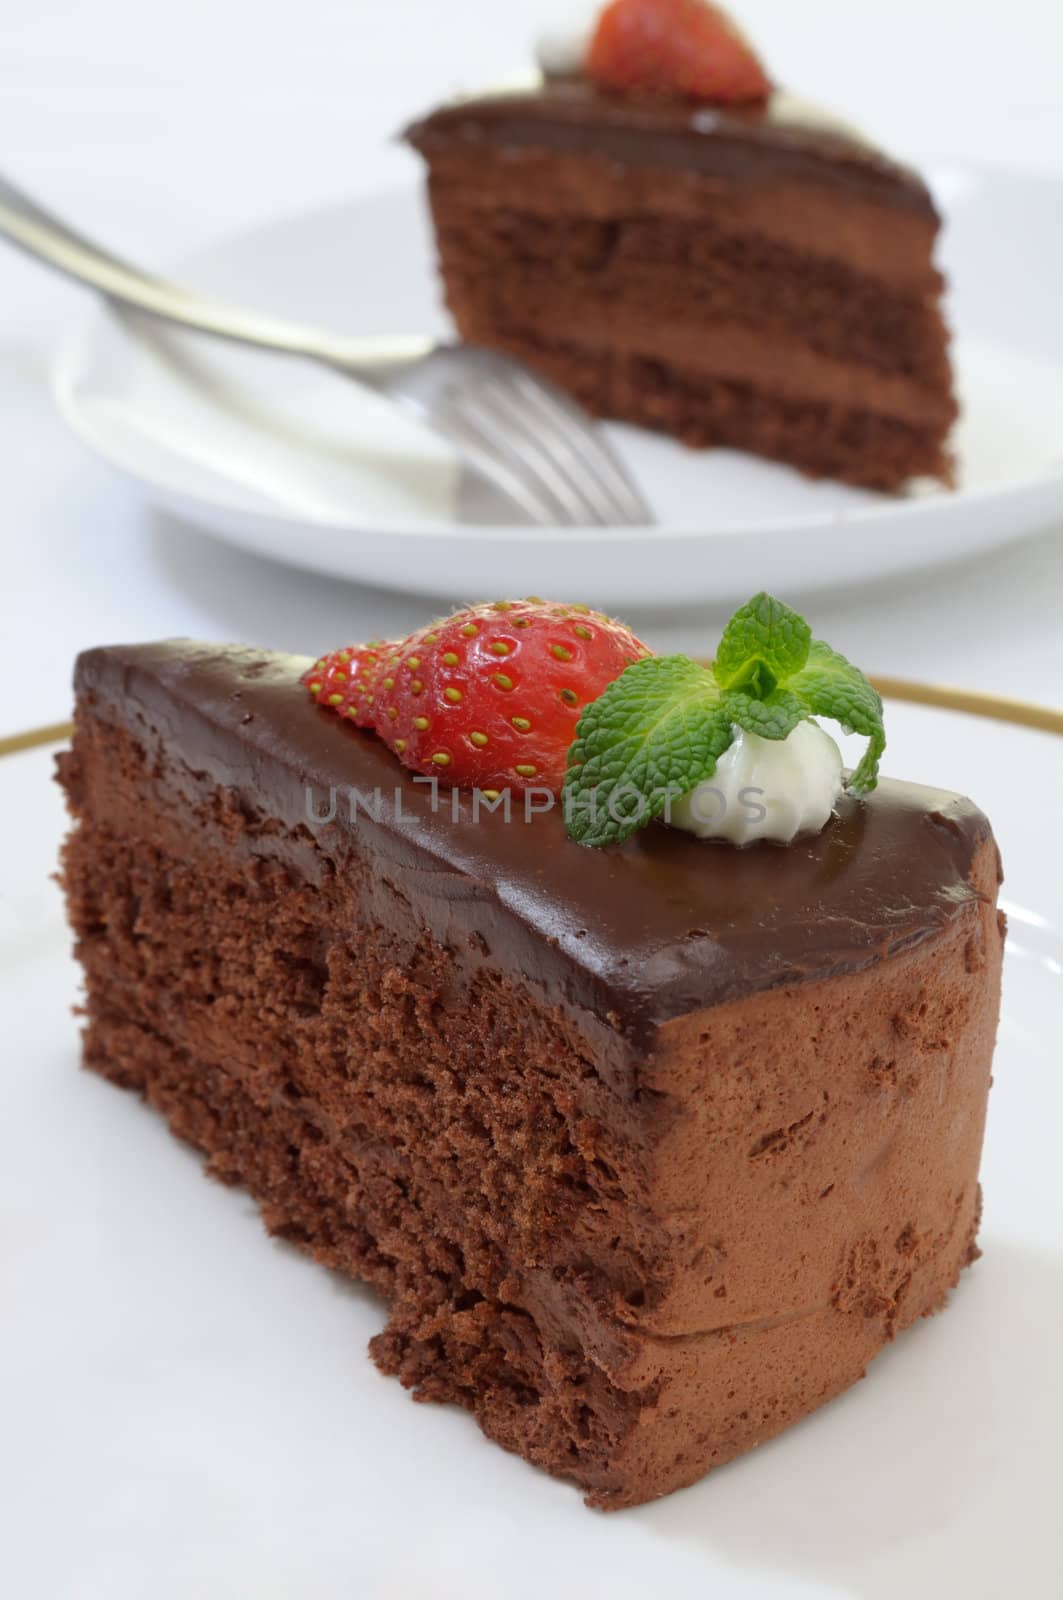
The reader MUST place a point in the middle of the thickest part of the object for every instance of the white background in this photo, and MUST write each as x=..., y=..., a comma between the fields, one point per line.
x=159, y=125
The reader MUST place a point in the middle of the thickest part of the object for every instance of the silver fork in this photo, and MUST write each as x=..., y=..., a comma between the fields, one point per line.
x=511, y=427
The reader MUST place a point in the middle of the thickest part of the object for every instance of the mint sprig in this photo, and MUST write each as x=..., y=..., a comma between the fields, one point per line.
x=830, y=686
x=656, y=737
x=764, y=643
x=661, y=727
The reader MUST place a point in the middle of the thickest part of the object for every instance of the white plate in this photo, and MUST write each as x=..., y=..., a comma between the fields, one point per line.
x=299, y=465
x=188, y=1407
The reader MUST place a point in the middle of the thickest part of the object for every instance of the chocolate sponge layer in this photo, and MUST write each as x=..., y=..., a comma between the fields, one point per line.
x=632, y=1242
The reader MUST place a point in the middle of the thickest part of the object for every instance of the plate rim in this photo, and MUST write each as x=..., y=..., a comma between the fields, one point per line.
x=75, y=346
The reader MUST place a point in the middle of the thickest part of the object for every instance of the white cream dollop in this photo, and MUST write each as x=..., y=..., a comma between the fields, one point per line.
x=766, y=789
x=561, y=50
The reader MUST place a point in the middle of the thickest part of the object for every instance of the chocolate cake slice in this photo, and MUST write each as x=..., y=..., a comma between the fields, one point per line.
x=649, y=1150
x=755, y=276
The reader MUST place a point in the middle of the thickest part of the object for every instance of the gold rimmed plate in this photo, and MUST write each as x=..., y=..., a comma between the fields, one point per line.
x=191, y=1403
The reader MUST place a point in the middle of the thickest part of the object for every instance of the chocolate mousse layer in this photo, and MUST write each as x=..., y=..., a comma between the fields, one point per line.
x=759, y=277
x=648, y=1150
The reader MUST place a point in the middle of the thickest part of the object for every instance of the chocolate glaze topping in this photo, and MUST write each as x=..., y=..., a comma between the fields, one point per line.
x=783, y=139
x=637, y=934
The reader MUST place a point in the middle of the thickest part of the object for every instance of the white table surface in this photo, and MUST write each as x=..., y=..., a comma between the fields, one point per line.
x=158, y=126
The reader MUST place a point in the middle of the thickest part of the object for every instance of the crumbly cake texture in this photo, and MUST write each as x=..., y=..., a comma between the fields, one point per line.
x=747, y=277
x=645, y=1170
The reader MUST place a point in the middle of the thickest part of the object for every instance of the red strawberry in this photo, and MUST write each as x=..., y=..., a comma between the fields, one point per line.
x=344, y=680
x=490, y=698
x=678, y=47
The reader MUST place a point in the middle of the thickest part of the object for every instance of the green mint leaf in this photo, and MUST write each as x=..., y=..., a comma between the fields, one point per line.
x=661, y=727
x=764, y=644
x=830, y=686
x=774, y=717
x=657, y=731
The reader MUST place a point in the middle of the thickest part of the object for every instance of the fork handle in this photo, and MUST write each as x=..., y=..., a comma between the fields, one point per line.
x=50, y=240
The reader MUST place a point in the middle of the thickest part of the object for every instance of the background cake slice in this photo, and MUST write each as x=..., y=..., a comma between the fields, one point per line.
x=649, y=1150
x=752, y=275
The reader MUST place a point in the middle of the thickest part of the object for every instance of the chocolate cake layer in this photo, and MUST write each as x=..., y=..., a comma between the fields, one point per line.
x=766, y=277
x=824, y=438
x=691, y=273
x=649, y=1150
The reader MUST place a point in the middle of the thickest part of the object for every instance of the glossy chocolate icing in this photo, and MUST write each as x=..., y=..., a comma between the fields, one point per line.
x=783, y=139
x=637, y=935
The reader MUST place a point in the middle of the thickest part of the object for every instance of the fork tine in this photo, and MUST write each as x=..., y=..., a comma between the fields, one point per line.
x=479, y=448
x=585, y=443
x=548, y=454
x=517, y=430
x=476, y=430
x=503, y=428
x=573, y=434
x=565, y=451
